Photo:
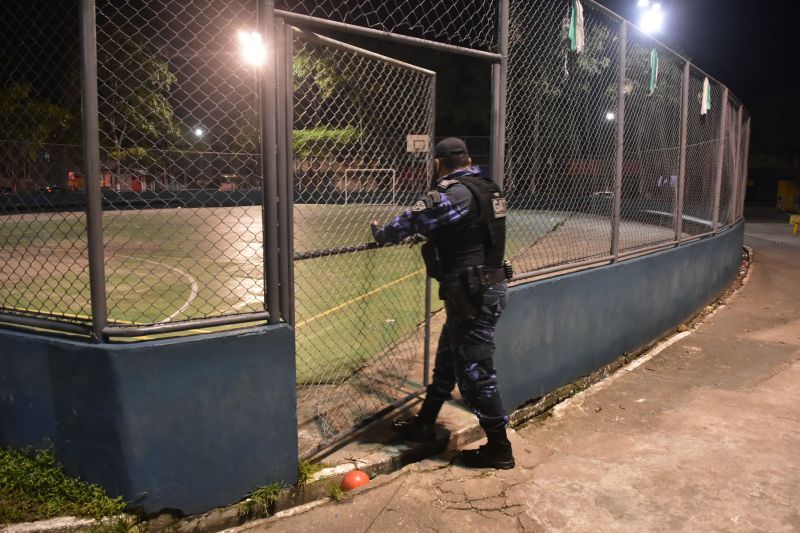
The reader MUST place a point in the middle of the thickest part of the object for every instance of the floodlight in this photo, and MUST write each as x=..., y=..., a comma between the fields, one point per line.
x=253, y=51
x=652, y=20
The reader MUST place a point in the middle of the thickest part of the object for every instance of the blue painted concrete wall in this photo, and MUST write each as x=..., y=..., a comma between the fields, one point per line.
x=197, y=422
x=189, y=423
x=556, y=330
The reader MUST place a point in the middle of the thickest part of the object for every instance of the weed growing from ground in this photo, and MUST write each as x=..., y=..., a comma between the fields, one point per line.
x=34, y=486
x=335, y=492
x=261, y=499
x=306, y=471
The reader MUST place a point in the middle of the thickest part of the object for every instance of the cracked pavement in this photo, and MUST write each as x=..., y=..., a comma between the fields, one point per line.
x=705, y=435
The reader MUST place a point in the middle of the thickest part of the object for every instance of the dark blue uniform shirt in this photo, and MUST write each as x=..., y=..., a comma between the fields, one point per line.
x=456, y=202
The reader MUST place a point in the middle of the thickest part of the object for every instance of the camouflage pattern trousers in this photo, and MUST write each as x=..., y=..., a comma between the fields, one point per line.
x=465, y=357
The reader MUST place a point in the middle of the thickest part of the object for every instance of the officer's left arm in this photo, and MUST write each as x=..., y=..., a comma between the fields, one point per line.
x=431, y=212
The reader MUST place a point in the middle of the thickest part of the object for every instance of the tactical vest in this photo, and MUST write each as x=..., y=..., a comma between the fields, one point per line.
x=481, y=238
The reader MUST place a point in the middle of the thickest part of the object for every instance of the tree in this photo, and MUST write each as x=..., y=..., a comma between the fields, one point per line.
x=135, y=113
x=27, y=124
x=324, y=87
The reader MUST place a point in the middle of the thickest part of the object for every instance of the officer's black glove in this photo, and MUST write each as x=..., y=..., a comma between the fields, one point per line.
x=377, y=232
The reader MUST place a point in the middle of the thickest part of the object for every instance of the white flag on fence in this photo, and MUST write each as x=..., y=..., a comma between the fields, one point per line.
x=576, y=27
x=653, y=70
x=705, y=103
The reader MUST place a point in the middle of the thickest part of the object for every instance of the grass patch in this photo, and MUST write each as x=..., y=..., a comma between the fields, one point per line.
x=33, y=486
x=306, y=471
x=335, y=492
x=116, y=524
x=262, y=499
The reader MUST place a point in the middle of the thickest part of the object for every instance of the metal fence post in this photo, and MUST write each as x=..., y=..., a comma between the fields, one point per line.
x=91, y=157
x=618, y=170
x=426, y=364
x=745, y=172
x=723, y=123
x=739, y=152
x=288, y=201
x=499, y=88
x=737, y=167
x=684, y=140
x=269, y=164
x=284, y=153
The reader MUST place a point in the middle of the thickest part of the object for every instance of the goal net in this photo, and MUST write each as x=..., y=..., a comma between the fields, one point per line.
x=370, y=186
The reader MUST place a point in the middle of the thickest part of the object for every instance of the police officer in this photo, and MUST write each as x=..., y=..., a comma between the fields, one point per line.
x=463, y=218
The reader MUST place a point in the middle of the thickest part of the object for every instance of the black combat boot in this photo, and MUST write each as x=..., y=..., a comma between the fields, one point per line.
x=496, y=453
x=420, y=428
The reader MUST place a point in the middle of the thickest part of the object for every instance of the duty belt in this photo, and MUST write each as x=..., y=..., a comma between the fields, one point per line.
x=489, y=275
x=465, y=289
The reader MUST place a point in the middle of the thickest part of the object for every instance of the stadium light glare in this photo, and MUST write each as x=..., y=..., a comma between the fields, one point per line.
x=198, y=132
x=252, y=47
x=643, y=3
x=610, y=115
x=652, y=20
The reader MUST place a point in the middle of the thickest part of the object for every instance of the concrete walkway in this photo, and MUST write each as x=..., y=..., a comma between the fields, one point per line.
x=702, y=436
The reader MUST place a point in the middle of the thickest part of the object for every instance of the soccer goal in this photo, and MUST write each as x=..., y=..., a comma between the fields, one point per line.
x=370, y=186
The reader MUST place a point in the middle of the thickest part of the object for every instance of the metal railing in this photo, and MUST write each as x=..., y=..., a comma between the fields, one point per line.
x=167, y=167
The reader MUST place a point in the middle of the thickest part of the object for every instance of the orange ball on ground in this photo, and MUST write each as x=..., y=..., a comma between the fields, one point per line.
x=353, y=480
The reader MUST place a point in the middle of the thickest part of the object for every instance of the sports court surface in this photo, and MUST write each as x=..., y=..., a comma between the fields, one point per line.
x=166, y=265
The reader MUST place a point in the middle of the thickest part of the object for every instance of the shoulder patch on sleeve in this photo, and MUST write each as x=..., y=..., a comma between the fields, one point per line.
x=435, y=197
x=431, y=199
x=444, y=184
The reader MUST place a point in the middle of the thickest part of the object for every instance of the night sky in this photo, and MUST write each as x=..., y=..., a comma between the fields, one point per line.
x=751, y=46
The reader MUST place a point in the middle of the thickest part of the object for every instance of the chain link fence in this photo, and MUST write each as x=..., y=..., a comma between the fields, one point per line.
x=563, y=174
x=701, y=157
x=179, y=137
x=730, y=164
x=43, y=260
x=652, y=146
x=193, y=118
x=561, y=138
x=359, y=309
x=468, y=23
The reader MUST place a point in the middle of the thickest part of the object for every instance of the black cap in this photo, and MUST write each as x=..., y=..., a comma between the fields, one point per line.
x=449, y=147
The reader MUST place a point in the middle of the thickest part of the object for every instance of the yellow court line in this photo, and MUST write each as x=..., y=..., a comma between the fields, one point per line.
x=357, y=299
x=299, y=325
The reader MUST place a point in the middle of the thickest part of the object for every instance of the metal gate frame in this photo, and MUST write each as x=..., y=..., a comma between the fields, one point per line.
x=277, y=86
x=285, y=33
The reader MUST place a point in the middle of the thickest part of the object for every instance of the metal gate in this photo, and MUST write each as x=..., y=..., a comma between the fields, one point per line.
x=361, y=130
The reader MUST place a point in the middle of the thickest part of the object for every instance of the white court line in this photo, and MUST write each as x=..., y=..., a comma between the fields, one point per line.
x=185, y=274
x=247, y=301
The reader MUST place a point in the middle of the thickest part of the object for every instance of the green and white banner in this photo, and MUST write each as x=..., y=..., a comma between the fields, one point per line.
x=576, y=27
x=705, y=102
x=653, y=70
